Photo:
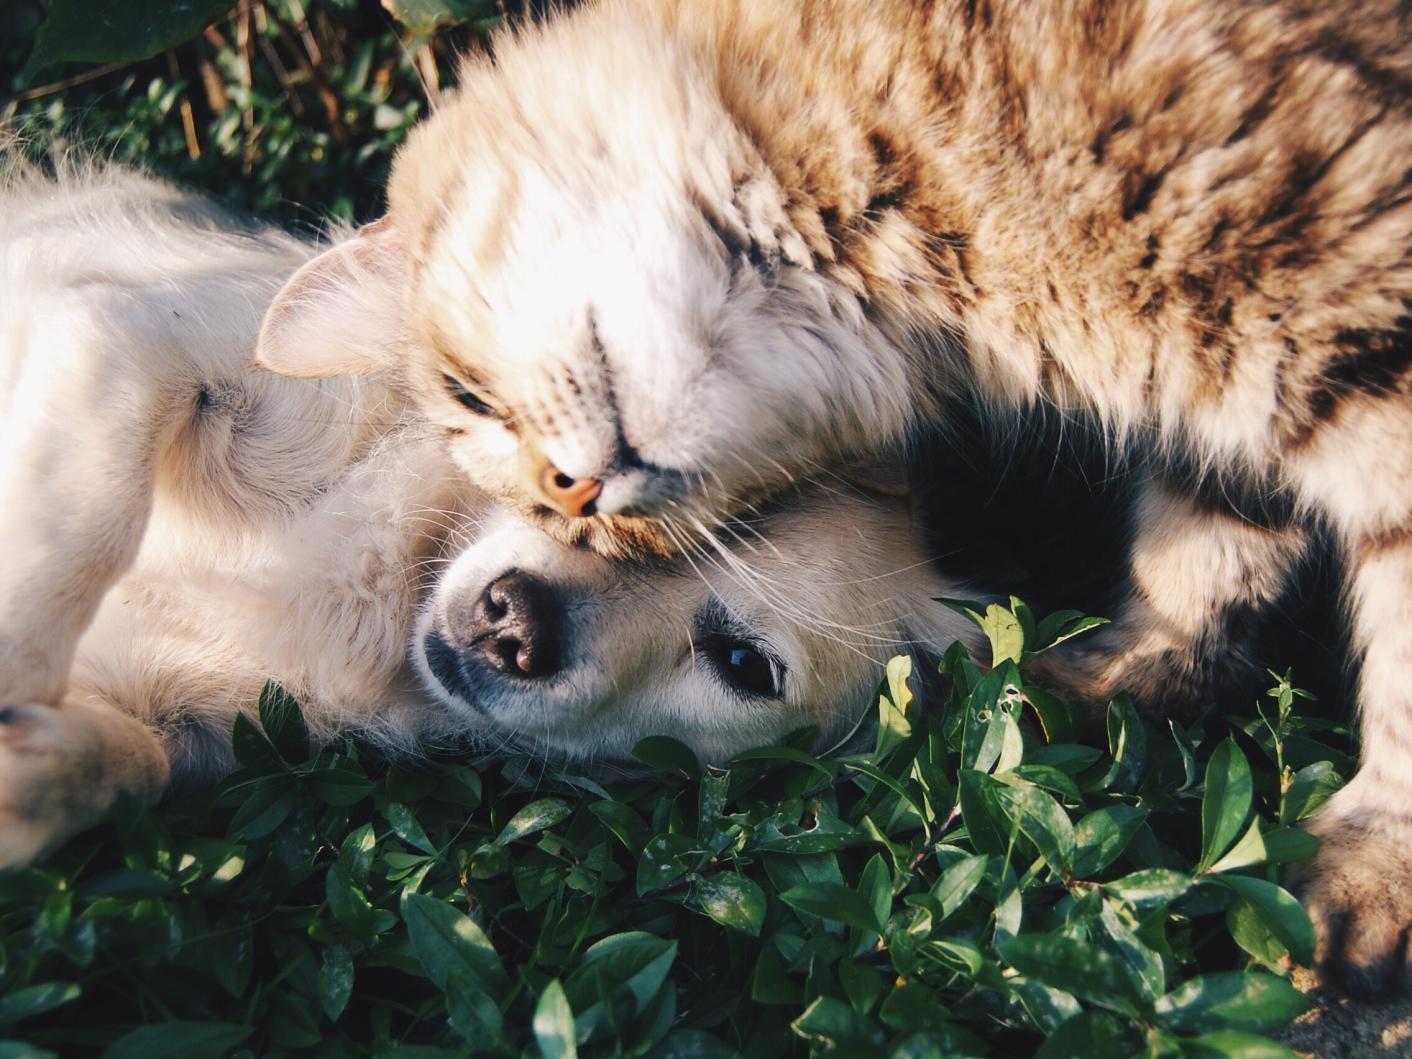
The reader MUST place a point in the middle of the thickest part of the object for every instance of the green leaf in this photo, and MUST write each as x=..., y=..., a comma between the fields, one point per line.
x=1005, y=633
x=554, y=1024
x=958, y=882
x=827, y=833
x=632, y=965
x=474, y=1013
x=1311, y=787
x=96, y=31
x=1055, y=717
x=982, y=811
x=1150, y=886
x=21, y=1050
x=178, y=1040
x=1277, y=909
x=1090, y=1035
x=1127, y=743
x=339, y=786
x=692, y=1044
x=875, y=887
x=1075, y=966
x=35, y=1000
x=620, y=819
x=665, y=858
x=731, y=900
x=668, y=755
x=424, y=16
x=834, y=903
x=1250, y=850
x=268, y=805
x=1286, y=845
x=983, y=735
x=1234, y=1046
x=447, y=941
x=1100, y=837
x=834, y=1023
x=1063, y=625
x=1251, y=1001
x=1043, y=821
x=1226, y=801
x=893, y=725
x=533, y=818
x=405, y=826
x=335, y=981
x=283, y=723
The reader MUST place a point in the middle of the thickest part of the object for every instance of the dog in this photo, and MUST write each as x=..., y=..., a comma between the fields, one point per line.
x=182, y=527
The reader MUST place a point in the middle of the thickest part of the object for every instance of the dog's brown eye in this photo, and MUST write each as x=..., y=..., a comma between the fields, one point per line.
x=743, y=666
x=458, y=390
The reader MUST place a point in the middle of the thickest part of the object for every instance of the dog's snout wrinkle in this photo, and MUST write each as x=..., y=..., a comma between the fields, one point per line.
x=516, y=627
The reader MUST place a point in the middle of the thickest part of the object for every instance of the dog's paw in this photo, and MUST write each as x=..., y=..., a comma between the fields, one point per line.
x=44, y=795
x=1358, y=892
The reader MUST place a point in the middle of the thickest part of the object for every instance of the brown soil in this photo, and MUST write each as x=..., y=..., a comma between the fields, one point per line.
x=1339, y=1028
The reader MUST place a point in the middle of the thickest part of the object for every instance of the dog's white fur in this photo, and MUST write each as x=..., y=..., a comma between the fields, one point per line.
x=181, y=527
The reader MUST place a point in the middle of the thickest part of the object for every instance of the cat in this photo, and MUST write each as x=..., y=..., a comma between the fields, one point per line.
x=662, y=257
x=181, y=528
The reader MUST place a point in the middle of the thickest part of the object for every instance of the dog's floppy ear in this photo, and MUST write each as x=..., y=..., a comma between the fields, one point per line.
x=341, y=313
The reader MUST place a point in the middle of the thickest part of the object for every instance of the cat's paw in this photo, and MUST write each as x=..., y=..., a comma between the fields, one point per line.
x=44, y=792
x=1358, y=892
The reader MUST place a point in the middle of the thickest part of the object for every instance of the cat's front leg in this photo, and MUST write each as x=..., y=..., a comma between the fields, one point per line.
x=1200, y=575
x=1358, y=888
x=62, y=766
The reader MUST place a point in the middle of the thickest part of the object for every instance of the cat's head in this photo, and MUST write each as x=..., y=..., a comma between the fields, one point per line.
x=590, y=280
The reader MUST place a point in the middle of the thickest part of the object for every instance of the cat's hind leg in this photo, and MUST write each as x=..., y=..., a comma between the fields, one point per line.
x=1201, y=574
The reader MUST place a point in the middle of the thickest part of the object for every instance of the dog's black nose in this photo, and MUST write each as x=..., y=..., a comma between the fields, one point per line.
x=515, y=627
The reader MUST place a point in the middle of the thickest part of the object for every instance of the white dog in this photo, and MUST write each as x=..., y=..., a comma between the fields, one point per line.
x=180, y=528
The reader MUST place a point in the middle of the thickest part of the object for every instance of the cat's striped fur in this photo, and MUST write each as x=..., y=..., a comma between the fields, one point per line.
x=692, y=249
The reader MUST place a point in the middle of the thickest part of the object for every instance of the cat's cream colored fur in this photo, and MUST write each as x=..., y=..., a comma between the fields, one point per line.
x=180, y=527
x=693, y=249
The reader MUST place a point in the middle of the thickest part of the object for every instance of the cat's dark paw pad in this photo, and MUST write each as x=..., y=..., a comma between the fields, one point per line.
x=1358, y=892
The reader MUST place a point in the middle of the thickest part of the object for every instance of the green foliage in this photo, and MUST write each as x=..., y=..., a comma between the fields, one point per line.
x=966, y=887
x=286, y=107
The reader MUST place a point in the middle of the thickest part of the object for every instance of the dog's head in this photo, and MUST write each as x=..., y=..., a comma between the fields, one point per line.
x=785, y=623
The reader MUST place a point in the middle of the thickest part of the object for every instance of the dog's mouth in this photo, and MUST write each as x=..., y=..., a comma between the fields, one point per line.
x=444, y=663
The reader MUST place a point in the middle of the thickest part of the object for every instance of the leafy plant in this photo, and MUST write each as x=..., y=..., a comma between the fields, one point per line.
x=977, y=882
x=287, y=107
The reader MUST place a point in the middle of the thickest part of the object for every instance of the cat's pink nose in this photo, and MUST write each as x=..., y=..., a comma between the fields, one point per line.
x=573, y=497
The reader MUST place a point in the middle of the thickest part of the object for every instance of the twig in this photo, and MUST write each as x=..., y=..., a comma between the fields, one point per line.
x=68, y=82
x=431, y=77
x=188, y=119
x=316, y=77
x=929, y=846
x=296, y=105
x=243, y=47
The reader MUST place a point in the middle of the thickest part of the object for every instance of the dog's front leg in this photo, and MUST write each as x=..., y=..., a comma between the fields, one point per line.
x=93, y=386
x=62, y=766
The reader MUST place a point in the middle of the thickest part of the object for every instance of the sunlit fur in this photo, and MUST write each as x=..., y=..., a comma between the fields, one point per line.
x=180, y=528
x=735, y=241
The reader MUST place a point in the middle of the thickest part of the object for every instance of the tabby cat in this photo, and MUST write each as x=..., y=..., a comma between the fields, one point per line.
x=672, y=254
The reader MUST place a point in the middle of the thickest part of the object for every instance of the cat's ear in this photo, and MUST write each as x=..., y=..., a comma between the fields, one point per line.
x=341, y=313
